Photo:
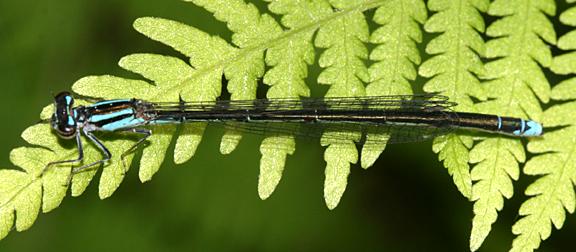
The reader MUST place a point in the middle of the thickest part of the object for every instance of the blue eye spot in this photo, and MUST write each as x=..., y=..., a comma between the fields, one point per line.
x=68, y=100
x=71, y=120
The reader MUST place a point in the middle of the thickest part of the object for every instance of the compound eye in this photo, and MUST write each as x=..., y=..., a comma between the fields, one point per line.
x=63, y=121
x=65, y=131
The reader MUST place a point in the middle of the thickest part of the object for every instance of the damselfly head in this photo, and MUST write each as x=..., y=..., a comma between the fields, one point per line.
x=63, y=120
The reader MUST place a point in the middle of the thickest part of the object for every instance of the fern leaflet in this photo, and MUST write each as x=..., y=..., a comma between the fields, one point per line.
x=513, y=79
x=452, y=69
x=553, y=191
x=395, y=57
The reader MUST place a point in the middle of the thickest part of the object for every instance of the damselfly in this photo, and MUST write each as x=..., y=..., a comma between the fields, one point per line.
x=397, y=118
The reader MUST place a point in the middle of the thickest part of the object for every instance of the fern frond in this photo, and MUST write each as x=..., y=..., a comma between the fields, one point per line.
x=279, y=54
x=452, y=70
x=172, y=79
x=395, y=57
x=516, y=84
x=288, y=53
x=553, y=192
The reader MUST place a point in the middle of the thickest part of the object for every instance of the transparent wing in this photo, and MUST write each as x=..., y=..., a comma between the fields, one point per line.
x=407, y=102
x=329, y=132
x=340, y=132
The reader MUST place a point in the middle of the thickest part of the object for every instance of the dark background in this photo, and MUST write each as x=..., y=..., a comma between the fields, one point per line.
x=406, y=202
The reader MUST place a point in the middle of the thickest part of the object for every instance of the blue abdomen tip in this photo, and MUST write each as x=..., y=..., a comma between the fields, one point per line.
x=533, y=129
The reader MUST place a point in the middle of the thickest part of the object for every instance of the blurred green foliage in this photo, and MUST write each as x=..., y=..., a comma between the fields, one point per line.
x=406, y=202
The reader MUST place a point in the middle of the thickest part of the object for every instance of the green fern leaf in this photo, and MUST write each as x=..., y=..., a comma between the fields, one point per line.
x=203, y=83
x=286, y=83
x=516, y=84
x=255, y=33
x=395, y=57
x=346, y=73
x=554, y=190
x=289, y=62
x=172, y=79
x=453, y=68
x=21, y=194
x=565, y=63
x=280, y=54
x=24, y=192
x=163, y=90
x=288, y=53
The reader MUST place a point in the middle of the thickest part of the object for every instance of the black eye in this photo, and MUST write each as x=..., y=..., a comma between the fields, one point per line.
x=63, y=121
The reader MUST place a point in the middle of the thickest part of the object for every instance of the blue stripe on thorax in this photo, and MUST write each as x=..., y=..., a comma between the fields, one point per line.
x=128, y=122
x=102, y=117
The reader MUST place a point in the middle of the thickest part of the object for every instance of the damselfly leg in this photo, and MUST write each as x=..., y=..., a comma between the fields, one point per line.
x=100, y=146
x=107, y=155
x=146, y=132
x=79, y=159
